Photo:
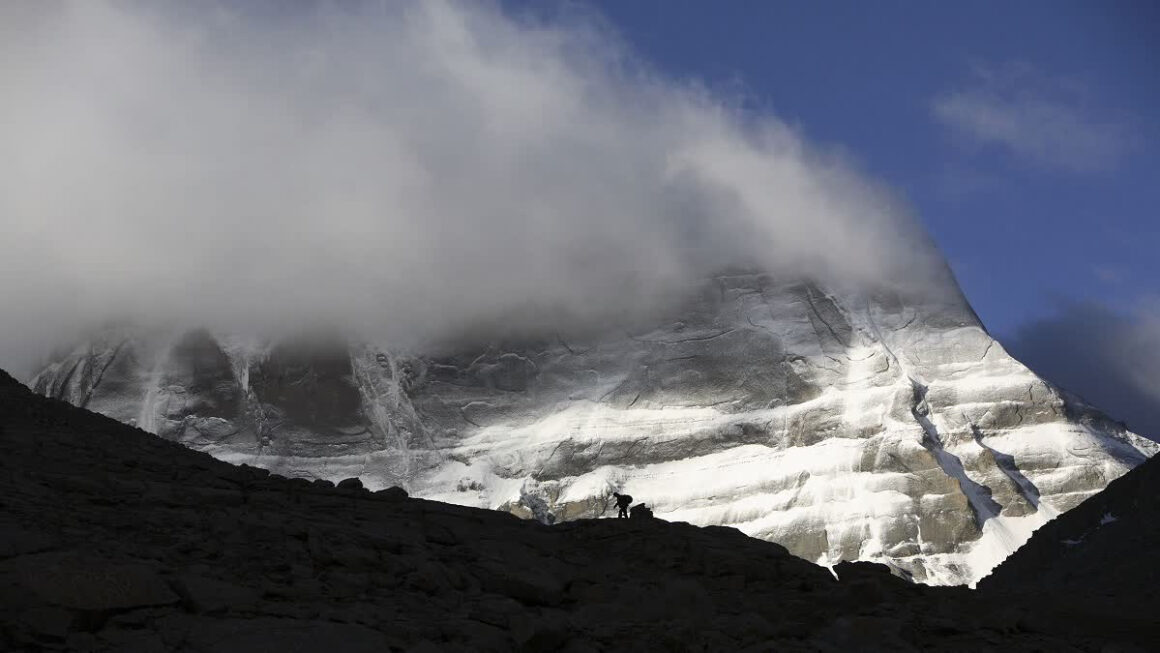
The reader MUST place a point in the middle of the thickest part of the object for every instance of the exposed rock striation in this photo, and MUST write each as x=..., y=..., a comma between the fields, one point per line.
x=845, y=425
x=1106, y=550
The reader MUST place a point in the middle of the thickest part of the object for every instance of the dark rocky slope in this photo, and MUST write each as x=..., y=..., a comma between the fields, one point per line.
x=112, y=539
x=1103, y=557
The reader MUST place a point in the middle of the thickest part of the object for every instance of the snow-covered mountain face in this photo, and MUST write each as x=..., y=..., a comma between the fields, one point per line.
x=843, y=425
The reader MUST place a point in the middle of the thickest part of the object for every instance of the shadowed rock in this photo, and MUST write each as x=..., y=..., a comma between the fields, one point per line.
x=1104, y=550
x=125, y=541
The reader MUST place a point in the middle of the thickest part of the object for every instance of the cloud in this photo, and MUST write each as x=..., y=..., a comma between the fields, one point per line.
x=1036, y=119
x=404, y=169
x=1110, y=359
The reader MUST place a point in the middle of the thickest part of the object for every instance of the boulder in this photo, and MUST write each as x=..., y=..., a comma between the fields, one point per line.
x=350, y=484
x=395, y=493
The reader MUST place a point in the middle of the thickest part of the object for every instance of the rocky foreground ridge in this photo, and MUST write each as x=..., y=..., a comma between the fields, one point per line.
x=876, y=426
x=112, y=539
x=1106, y=551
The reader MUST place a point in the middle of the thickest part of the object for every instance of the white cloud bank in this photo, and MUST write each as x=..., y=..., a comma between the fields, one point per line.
x=410, y=167
x=1038, y=120
x=1110, y=358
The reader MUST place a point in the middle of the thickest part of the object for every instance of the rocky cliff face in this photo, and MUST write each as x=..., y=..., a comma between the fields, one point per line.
x=842, y=425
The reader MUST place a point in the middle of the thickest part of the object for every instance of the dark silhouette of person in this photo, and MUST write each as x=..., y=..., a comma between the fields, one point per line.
x=623, y=501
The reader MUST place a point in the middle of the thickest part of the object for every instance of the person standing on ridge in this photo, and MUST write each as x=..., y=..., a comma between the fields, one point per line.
x=623, y=501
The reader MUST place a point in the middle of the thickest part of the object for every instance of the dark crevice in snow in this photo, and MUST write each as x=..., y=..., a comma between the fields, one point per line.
x=986, y=351
x=818, y=314
x=1006, y=464
x=983, y=505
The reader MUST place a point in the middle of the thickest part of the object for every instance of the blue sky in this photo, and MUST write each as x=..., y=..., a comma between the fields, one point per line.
x=1056, y=204
x=1022, y=134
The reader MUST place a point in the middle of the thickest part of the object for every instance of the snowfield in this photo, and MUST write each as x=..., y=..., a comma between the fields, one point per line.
x=843, y=425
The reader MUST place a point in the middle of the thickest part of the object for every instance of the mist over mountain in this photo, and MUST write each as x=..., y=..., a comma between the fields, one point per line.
x=545, y=271
x=312, y=300
x=1109, y=358
x=401, y=170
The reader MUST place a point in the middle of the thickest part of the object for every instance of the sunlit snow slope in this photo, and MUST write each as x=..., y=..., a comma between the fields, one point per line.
x=845, y=426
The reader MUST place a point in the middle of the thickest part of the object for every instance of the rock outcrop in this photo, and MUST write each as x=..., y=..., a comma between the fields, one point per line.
x=844, y=425
x=1106, y=550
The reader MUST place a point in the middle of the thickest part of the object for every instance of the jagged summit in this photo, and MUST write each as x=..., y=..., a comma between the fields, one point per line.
x=845, y=425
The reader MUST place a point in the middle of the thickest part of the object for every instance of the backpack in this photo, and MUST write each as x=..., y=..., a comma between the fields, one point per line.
x=640, y=511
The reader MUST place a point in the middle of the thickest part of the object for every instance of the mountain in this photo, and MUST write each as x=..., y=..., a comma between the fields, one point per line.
x=112, y=539
x=1104, y=550
x=883, y=426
